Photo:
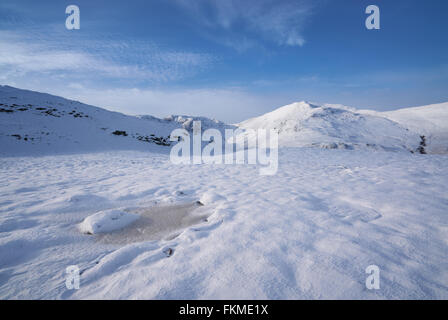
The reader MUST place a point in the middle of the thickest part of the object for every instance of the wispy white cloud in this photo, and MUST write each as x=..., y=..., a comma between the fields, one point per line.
x=277, y=21
x=22, y=54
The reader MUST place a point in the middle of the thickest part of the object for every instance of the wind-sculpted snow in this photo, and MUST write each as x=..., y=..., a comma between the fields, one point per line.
x=107, y=221
x=307, y=232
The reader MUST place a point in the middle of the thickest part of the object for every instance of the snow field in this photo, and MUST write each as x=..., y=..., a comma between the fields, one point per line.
x=307, y=232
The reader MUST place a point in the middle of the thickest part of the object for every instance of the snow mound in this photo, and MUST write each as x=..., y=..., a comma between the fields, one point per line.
x=210, y=197
x=303, y=124
x=107, y=221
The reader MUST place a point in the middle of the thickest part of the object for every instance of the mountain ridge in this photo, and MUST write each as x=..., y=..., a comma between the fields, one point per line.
x=34, y=123
x=302, y=124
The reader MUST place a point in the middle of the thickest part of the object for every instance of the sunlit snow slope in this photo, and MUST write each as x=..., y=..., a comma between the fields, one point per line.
x=33, y=123
x=334, y=127
x=431, y=121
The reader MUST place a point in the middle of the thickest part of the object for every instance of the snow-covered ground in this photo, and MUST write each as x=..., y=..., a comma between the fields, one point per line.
x=307, y=232
x=84, y=186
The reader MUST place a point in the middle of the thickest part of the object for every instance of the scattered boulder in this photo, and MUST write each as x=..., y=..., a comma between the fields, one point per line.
x=120, y=133
x=168, y=252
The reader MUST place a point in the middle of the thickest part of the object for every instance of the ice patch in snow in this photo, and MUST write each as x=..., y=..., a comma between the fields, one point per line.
x=157, y=223
x=107, y=221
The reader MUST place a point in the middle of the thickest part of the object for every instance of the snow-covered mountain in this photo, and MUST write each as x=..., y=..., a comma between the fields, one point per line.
x=186, y=122
x=39, y=123
x=430, y=121
x=334, y=126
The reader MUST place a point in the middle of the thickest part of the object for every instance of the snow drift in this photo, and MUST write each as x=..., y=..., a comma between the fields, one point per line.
x=107, y=221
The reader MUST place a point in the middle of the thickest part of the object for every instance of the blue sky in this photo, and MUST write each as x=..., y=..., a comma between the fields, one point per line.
x=228, y=59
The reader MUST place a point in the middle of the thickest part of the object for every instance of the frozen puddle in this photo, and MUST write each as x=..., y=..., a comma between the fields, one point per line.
x=157, y=223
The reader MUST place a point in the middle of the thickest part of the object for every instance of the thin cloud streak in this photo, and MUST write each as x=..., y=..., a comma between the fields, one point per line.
x=22, y=55
x=278, y=22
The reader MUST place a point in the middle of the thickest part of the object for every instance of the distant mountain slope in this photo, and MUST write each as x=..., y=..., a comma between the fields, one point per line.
x=39, y=123
x=430, y=120
x=334, y=126
x=186, y=122
x=33, y=123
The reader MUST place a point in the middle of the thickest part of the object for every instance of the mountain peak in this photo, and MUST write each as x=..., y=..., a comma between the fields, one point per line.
x=299, y=106
x=333, y=126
